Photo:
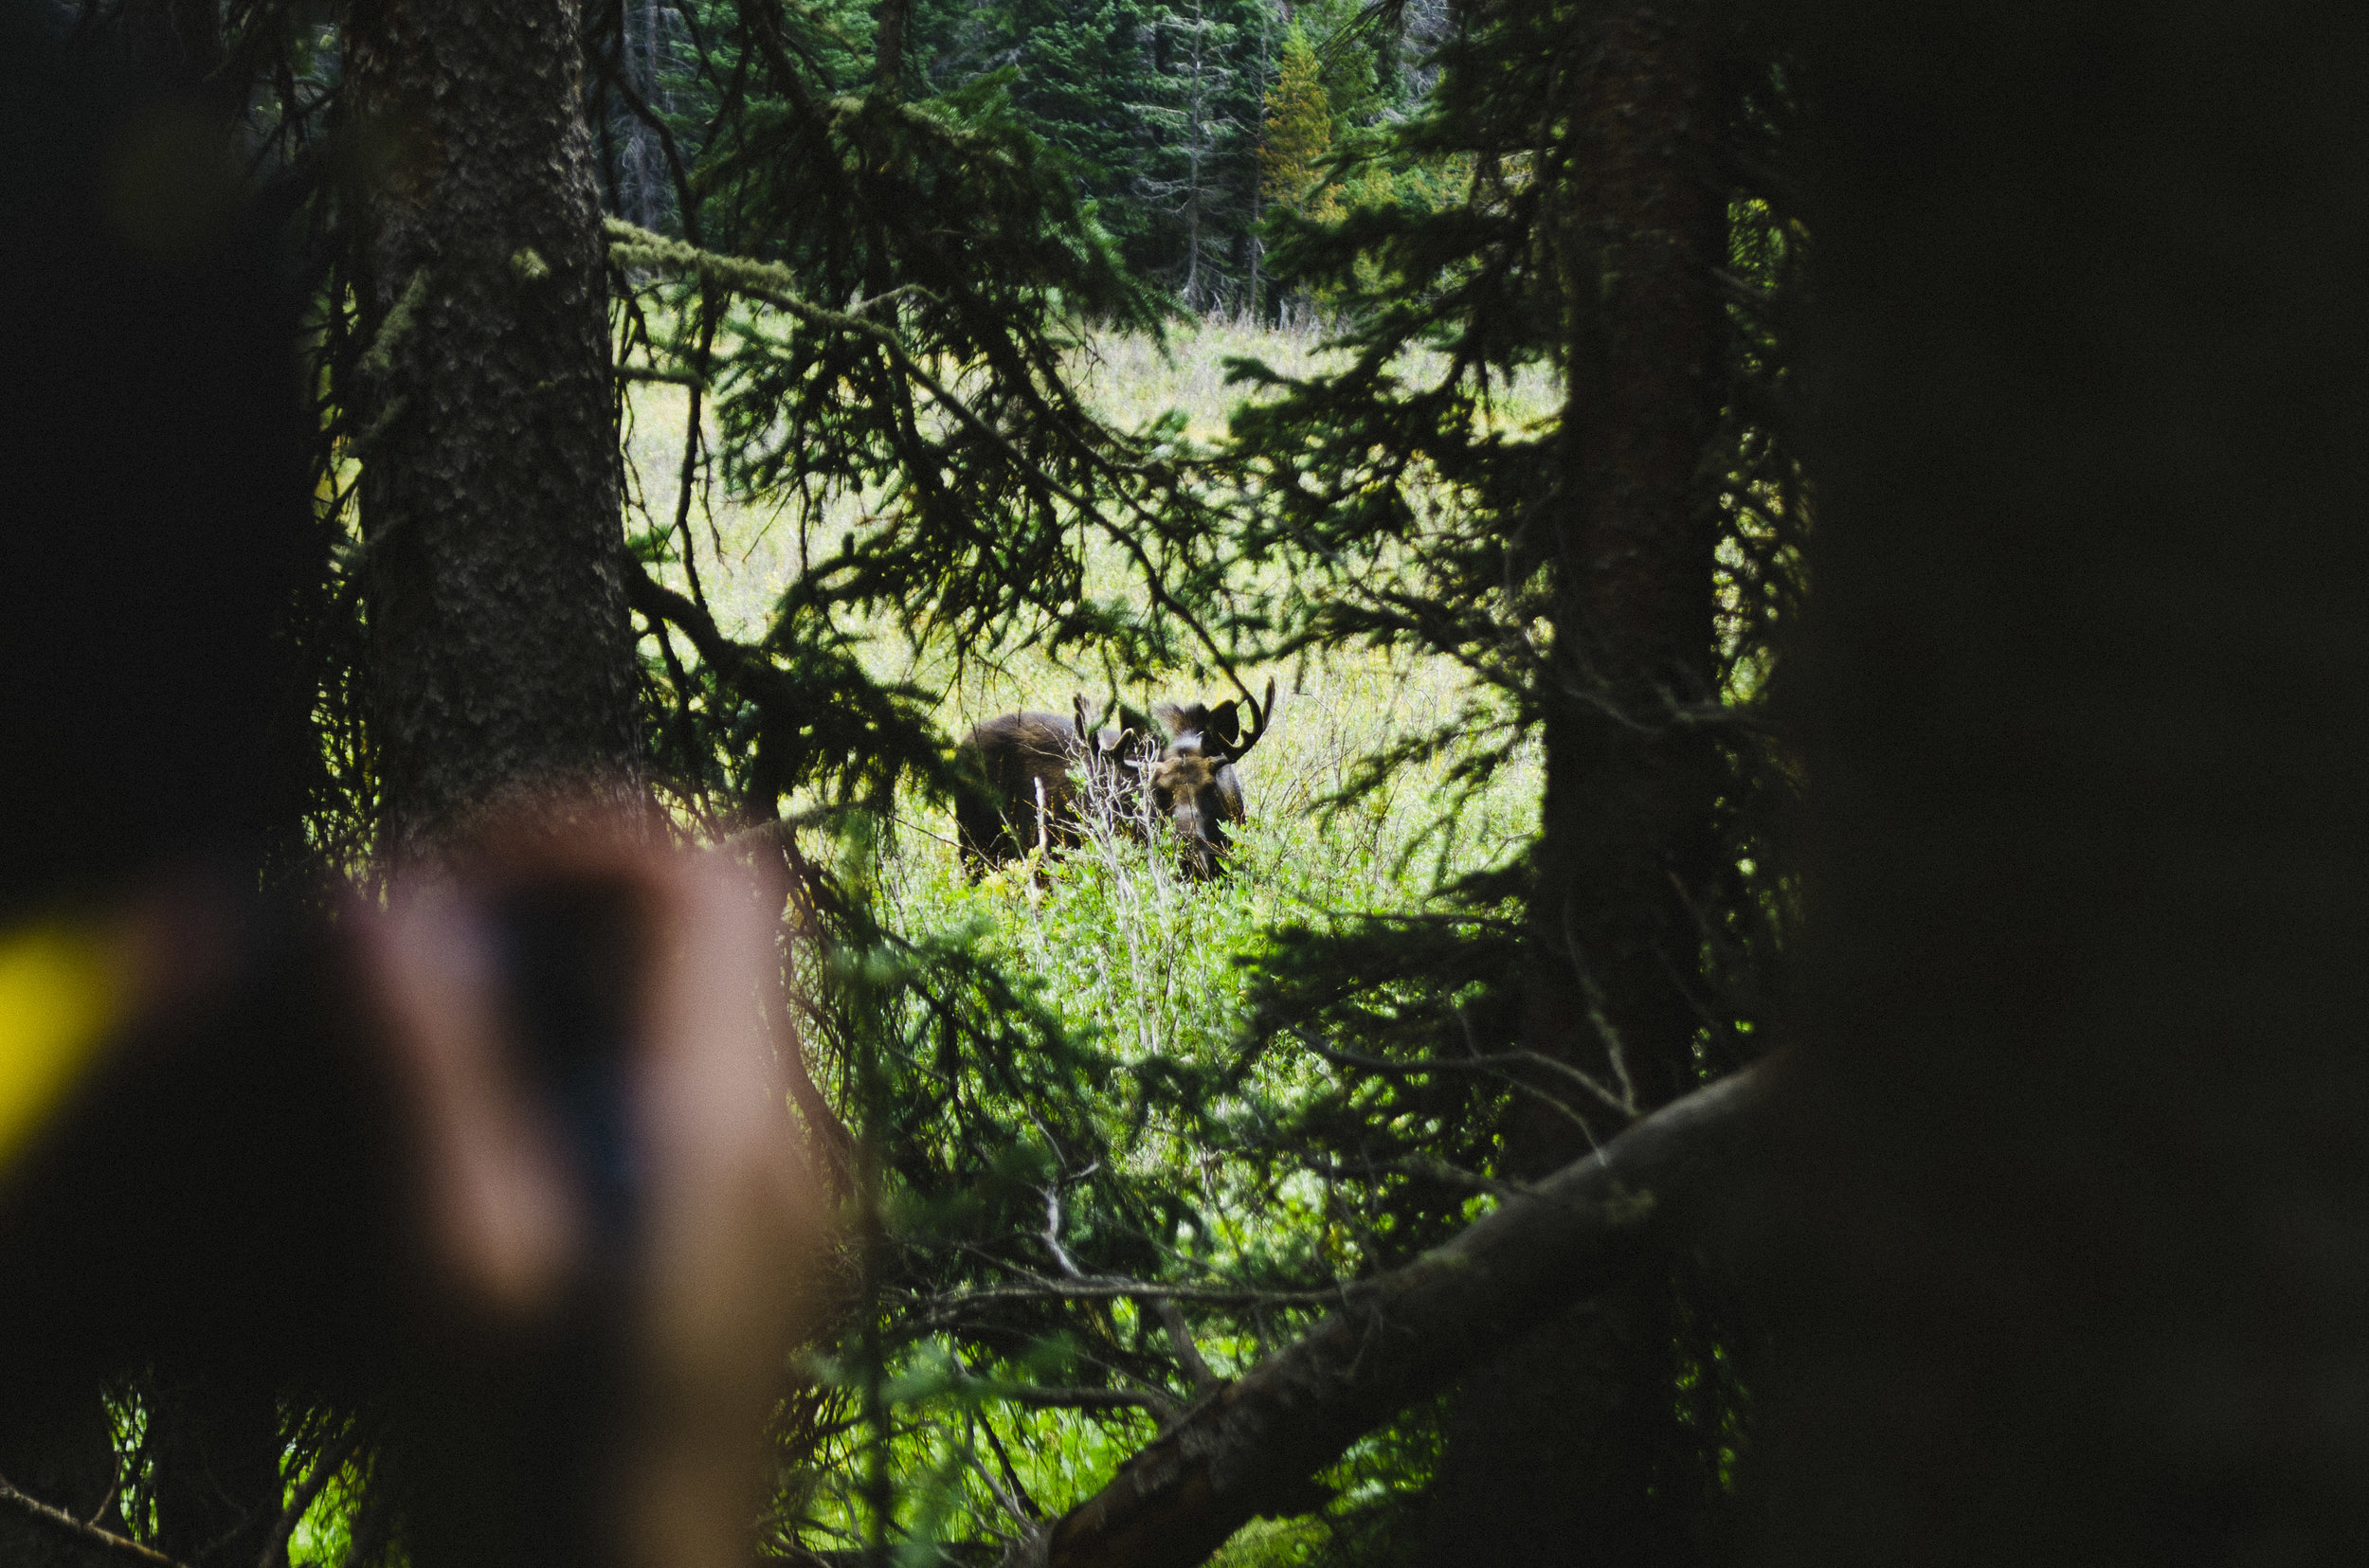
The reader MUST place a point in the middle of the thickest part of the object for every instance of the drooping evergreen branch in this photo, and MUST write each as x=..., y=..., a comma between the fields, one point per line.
x=775, y=284
x=325, y=1469
x=947, y=1310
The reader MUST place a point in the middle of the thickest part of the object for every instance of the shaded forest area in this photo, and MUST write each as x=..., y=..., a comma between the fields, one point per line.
x=1848, y=1050
x=1184, y=131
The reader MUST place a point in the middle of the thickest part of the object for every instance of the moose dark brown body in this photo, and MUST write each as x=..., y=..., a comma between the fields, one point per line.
x=1028, y=770
x=1025, y=762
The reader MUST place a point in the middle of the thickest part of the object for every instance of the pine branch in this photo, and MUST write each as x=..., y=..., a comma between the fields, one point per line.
x=1161, y=1407
x=945, y=1310
x=773, y=285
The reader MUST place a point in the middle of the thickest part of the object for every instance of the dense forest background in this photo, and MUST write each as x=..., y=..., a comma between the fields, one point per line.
x=1183, y=130
x=727, y=403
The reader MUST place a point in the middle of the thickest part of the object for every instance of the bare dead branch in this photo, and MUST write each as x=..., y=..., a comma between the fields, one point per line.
x=65, y=1524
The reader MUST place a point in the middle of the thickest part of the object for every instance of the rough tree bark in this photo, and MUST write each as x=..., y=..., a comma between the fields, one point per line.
x=2087, y=858
x=1553, y=1447
x=1401, y=1336
x=501, y=653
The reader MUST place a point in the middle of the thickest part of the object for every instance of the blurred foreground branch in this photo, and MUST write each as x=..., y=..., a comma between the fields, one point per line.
x=1395, y=1338
x=66, y=1525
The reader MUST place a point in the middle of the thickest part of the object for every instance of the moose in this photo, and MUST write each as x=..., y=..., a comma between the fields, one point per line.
x=1027, y=770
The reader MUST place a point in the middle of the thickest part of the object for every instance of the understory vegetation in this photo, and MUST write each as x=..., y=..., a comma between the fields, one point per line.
x=1144, y=981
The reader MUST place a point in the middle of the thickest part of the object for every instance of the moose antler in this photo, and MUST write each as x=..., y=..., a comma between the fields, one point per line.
x=1259, y=713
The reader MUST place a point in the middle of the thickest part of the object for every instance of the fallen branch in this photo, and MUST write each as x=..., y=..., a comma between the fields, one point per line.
x=1251, y=1447
x=65, y=1524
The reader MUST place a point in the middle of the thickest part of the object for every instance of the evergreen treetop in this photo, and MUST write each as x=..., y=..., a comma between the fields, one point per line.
x=1298, y=130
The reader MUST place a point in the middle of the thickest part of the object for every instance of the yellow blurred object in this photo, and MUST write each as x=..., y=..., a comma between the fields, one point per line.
x=58, y=995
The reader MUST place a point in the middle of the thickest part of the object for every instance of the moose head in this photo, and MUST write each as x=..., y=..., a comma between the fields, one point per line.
x=1192, y=783
x=1026, y=769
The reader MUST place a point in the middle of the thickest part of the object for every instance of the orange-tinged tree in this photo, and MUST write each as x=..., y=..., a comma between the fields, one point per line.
x=1298, y=132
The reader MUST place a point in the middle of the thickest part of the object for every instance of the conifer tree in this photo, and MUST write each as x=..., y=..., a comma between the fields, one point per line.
x=1298, y=130
x=495, y=575
x=1079, y=68
x=1210, y=60
x=1192, y=112
x=1612, y=581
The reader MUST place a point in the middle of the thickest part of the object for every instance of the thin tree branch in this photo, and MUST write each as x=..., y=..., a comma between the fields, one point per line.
x=324, y=1470
x=772, y=283
x=1205, y=1382
x=65, y=1524
x=1163, y=1409
x=1021, y=1505
x=1494, y=1063
x=613, y=75
x=945, y=1309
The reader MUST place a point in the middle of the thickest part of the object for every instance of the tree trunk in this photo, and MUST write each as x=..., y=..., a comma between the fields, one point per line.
x=1552, y=1449
x=2086, y=861
x=645, y=185
x=502, y=654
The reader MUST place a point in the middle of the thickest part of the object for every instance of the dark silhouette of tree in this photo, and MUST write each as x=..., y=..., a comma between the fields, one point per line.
x=158, y=554
x=1614, y=581
x=2071, y=1171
